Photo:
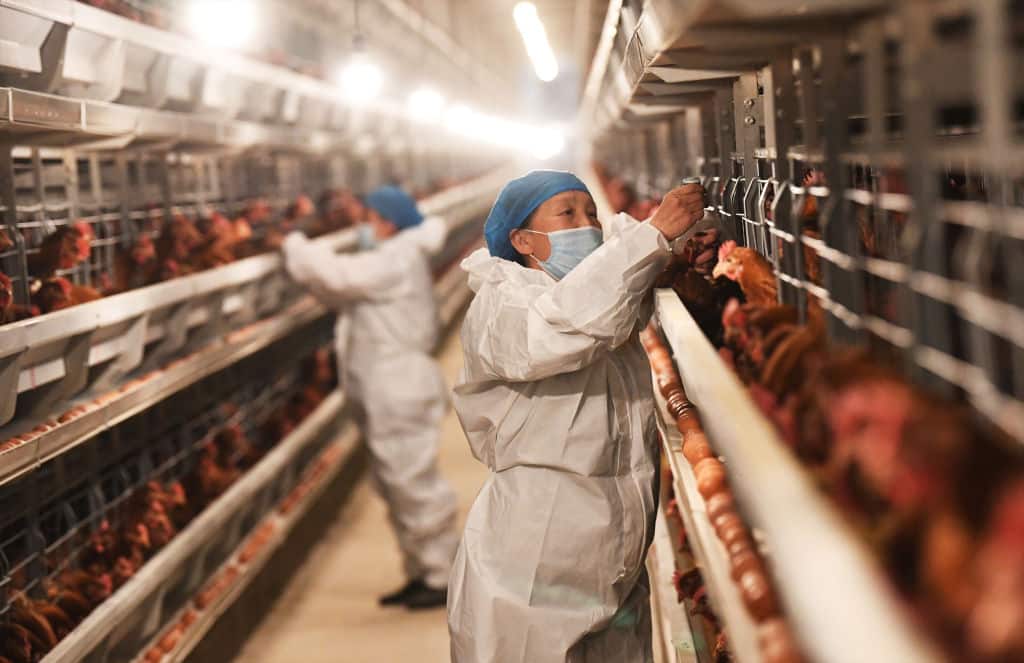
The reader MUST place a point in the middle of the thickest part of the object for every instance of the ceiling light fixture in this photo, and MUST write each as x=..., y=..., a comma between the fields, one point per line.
x=535, y=38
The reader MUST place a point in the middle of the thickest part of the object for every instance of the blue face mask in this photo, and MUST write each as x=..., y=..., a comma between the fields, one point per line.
x=367, y=238
x=569, y=248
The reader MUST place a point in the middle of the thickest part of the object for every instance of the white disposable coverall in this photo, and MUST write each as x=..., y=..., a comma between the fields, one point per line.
x=556, y=399
x=387, y=328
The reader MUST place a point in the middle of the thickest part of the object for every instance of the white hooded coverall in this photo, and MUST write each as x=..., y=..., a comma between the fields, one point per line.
x=556, y=399
x=387, y=328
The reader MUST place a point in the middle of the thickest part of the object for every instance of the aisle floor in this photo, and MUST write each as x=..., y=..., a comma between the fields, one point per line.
x=329, y=612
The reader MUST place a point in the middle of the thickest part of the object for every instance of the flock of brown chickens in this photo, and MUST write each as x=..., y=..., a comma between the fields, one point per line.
x=940, y=500
x=183, y=246
x=146, y=522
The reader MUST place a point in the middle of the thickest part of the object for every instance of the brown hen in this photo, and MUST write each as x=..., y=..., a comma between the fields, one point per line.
x=750, y=270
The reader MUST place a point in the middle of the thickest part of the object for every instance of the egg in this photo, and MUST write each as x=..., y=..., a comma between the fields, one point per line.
x=696, y=449
x=777, y=643
x=734, y=536
x=758, y=595
x=668, y=382
x=710, y=476
x=658, y=355
x=731, y=529
x=740, y=545
x=743, y=561
x=718, y=504
x=688, y=423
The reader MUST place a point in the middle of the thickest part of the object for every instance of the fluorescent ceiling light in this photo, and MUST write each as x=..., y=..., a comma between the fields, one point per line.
x=536, y=40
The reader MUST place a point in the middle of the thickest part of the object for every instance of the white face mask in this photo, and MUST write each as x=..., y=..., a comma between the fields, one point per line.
x=569, y=248
x=367, y=237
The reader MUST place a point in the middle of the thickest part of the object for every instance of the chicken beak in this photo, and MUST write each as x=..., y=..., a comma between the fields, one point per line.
x=719, y=270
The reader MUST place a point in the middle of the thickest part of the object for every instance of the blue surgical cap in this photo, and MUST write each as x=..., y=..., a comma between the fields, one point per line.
x=518, y=200
x=395, y=205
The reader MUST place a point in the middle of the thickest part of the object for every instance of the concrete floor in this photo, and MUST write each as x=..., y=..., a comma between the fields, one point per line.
x=329, y=612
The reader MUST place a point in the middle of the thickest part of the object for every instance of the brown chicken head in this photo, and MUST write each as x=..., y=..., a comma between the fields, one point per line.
x=730, y=260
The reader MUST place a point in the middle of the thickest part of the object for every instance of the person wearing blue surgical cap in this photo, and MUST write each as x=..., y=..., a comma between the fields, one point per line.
x=387, y=327
x=556, y=399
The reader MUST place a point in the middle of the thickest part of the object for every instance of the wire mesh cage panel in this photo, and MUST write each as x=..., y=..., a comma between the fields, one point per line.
x=105, y=202
x=88, y=514
x=876, y=163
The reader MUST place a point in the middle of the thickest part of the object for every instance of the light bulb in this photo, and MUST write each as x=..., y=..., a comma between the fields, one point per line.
x=360, y=79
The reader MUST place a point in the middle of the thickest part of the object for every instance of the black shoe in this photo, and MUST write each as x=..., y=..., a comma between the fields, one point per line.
x=401, y=596
x=427, y=599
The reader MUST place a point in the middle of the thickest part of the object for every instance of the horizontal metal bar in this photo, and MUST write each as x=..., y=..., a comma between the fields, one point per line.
x=890, y=270
x=894, y=202
x=894, y=334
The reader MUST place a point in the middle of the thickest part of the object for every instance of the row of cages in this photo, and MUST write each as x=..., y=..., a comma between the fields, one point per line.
x=134, y=55
x=78, y=528
x=879, y=165
x=122, y=196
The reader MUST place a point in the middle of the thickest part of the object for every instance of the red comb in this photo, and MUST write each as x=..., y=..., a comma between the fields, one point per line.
x=726, y=248
x=85, y=229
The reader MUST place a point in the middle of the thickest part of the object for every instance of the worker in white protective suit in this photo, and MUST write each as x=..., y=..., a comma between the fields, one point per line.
x=388, y=327
x=556, y=399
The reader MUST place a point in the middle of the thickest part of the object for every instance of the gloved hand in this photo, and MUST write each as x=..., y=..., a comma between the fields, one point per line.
x=680, y=209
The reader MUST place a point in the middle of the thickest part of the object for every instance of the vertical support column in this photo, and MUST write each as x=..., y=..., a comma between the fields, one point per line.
x=103, y=254
x=726, y=142
x=808, y=102
x=839, y=227
x=227, y=183
x=726, y=137
x=124, y=192
x=164, y=182
x=196, y=183
x=71, y=185
x=40, y=190
x=811, y=139
x=996, y=87
x=746, y=107
x=96, y=179
x=701, y=129
x=929, y=319
x=779, y=121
